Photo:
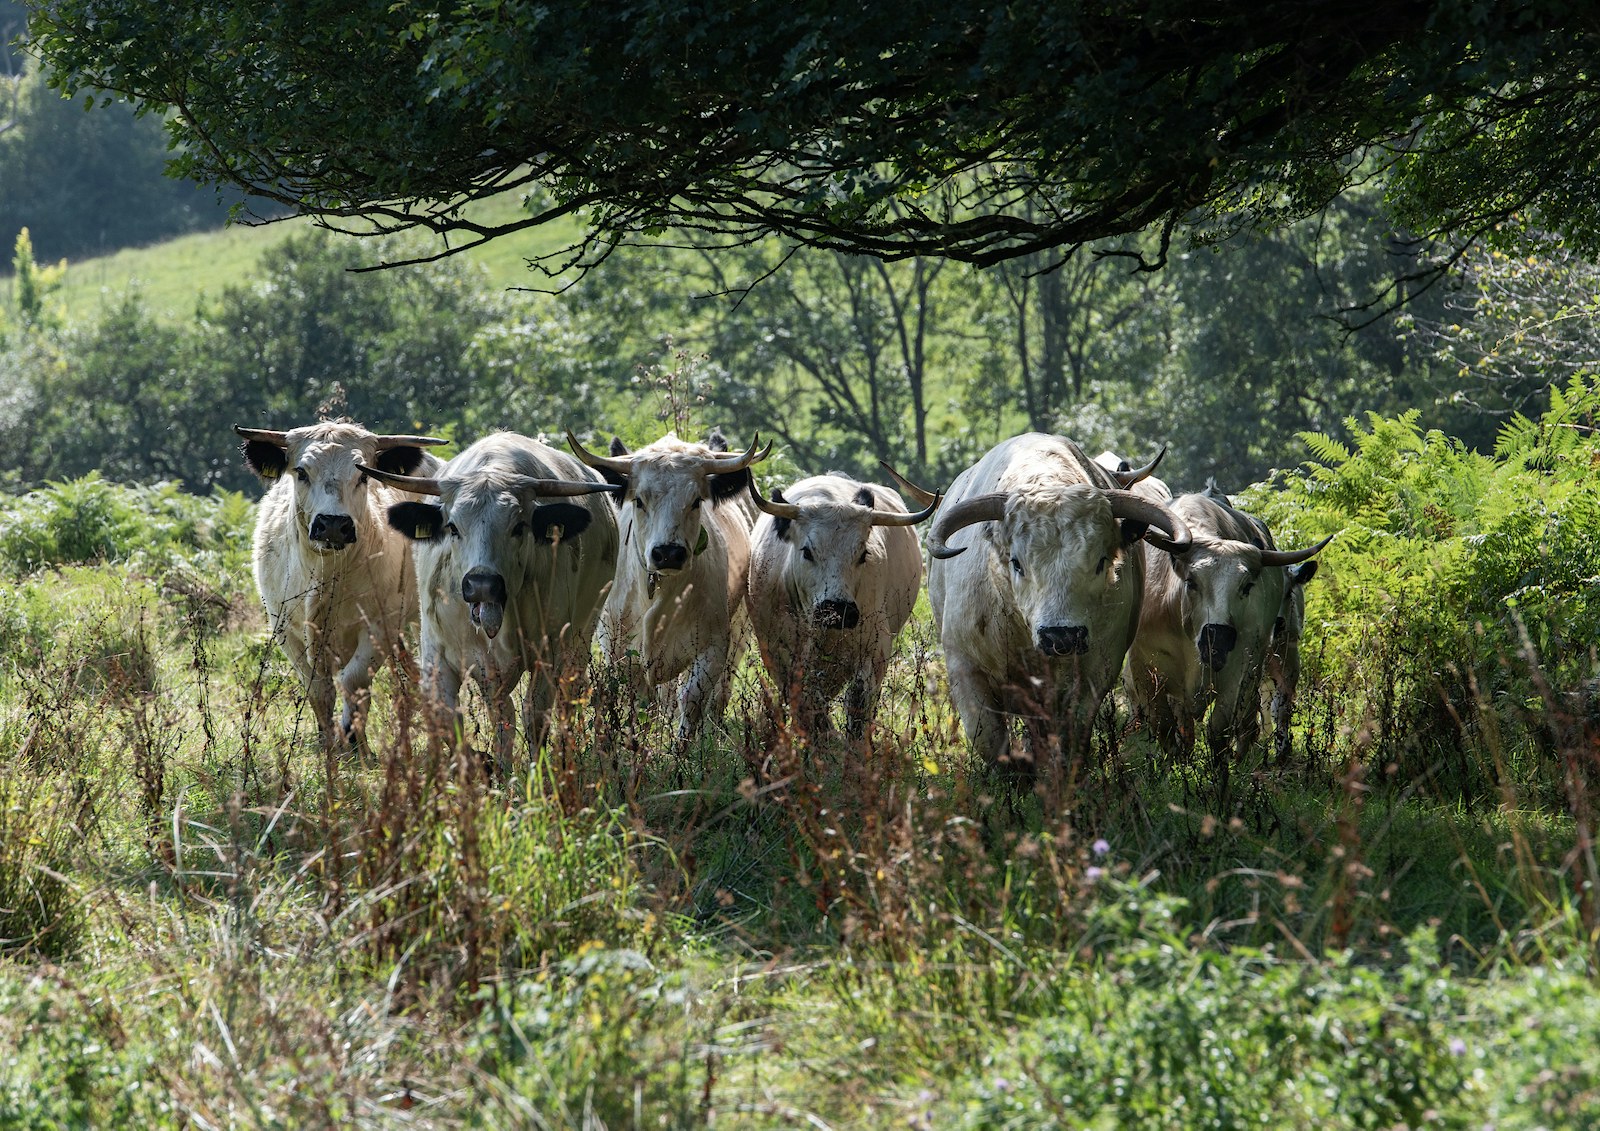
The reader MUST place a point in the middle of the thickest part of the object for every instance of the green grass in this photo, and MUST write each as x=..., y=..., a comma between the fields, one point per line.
x=176, y=275
x=204, y=921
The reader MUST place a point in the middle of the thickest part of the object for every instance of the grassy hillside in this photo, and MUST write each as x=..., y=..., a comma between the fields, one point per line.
x=177, y=273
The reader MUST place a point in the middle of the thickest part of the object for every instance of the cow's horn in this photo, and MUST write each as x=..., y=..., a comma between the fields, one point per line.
x=899, y=518
x=1126, y=479
x=1291, y=557
x=564, y=488
x=979, y=508
x=417, y=484
x=910, y=490
x=264, y=435
x=776, y=510
x=722, y=465
x=1125, y=504
x=387, y=442
x=613, y=464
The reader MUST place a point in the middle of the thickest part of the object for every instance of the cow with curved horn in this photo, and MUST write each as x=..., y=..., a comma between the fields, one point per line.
x=1038, y=604
x=679, y=591
x=1205, y=634
x=1283, y=656
x=513, y=557
x=1139, y=480
x=338, y=585
x=834, y=574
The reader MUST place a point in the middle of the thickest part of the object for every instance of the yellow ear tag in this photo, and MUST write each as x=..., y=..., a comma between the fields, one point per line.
x=556, y=533
x=271, y=472
x=424, y=532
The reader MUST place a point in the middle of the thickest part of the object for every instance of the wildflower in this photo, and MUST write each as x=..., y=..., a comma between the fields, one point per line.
x=1100, y=847
x=1092, y=873
x=1458, y=1047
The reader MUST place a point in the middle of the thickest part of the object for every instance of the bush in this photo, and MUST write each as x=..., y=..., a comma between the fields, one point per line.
x=1459, y=600
x=158, y=528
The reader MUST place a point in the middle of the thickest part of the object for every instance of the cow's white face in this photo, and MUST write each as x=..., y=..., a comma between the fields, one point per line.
x=831, y=544
x=1063, y=554
x=330, y=492
x=663, y=510
x=1228, y=598
x=323, y=461
x=489, y=532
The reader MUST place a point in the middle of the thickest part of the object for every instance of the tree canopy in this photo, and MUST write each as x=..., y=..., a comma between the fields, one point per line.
x=981, y=132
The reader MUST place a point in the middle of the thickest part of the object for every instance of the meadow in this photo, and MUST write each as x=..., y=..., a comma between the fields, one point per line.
x=208, y=921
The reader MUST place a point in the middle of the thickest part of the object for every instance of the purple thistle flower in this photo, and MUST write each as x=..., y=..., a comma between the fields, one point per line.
x=1100, y=847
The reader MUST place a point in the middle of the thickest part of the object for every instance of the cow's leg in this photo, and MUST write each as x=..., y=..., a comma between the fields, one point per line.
x=319, y=693
x=704, y=683
x=861, y=699
x=981, y=708
x=539, y=698
x=441, y=692
x=1283, y=665
x=355, y=680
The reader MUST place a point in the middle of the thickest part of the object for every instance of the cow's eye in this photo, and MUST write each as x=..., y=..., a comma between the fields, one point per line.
x=1100, y=567
x=300, y=474
x=451, y=529
x=1016, y=566
x=805, y=552
x=696, y=504
x=1191, y=585
x=862, y=560
x=1245, y=591
x=519, y=530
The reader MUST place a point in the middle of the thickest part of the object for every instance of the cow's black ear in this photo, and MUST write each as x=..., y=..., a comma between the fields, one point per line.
x=618, y=448
x=402, y=460
x=728, y=485
x=266, y=459
x=1302, y=573
x=780, y=526
x=420, y=522
x=559, y=521
x=1133, y=530
x=865, y=497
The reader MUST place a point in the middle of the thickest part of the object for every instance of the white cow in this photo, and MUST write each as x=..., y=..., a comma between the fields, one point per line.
x=1206, y=630
x=511, y=575
x=1140, y=480
x=834, y=574
x=1283, y=658
x=685, y=526
x=337, y=582
x=1037, y=618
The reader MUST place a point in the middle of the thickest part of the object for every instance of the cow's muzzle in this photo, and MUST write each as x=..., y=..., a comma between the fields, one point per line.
x=668, y=556
x=333, y=531
x=486, y=593
x=1064, y=640
x=837, y=614
x=1216, y=643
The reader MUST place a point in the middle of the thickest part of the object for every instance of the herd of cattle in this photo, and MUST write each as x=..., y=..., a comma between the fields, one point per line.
x=1050, y=575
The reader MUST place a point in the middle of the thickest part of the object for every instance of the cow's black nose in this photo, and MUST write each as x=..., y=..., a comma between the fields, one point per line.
x=669, y=555
x=1216, y=641
x=483, y=587
x=334, y=529
x=1064, y=640
x=837, y=614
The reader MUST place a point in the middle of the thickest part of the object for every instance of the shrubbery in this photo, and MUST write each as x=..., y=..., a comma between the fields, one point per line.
x=1460, y=600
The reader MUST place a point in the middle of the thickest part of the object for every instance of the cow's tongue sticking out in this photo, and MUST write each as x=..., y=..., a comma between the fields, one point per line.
x=488, y=616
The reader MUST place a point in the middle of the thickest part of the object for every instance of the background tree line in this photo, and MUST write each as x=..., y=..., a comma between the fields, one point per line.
x=85, y=182
x=1227, y=355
